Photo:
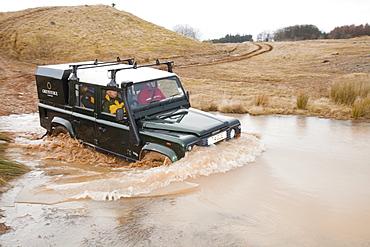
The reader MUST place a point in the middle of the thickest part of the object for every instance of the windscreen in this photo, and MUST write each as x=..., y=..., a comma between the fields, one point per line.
x=147, y=93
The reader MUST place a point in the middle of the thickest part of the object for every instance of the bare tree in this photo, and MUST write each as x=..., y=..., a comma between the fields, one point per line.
x=187, y=31
x=265, y=36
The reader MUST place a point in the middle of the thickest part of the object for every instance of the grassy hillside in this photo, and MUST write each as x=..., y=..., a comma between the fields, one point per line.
x=67, y=34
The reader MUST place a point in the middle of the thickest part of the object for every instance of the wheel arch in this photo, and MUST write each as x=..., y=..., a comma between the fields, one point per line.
x=63, y=122
x=159, y=149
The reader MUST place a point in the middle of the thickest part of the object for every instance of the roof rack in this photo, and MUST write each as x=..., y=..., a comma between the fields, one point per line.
x=113, y=82
x=74, y=76
x=157, y=63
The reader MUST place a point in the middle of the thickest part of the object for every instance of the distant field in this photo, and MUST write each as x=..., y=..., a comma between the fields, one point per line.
x=280, y=76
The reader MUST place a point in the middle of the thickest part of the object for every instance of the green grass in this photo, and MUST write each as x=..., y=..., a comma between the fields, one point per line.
x=8, y=169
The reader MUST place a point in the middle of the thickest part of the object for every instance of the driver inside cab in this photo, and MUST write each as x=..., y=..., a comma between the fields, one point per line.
x=111, y=102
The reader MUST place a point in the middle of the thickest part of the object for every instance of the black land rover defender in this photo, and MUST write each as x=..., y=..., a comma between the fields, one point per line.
x=149, y=111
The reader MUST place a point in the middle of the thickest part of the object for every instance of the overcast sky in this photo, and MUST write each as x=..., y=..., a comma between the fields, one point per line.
x=215, y=19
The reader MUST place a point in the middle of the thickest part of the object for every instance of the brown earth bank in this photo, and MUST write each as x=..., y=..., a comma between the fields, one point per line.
x=251, y=77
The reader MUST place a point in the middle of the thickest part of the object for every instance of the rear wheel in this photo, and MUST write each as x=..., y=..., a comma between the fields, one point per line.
x=59, y=129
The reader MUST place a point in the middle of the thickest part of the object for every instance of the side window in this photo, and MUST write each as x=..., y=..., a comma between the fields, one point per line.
x=84, y=96
x=111, y=101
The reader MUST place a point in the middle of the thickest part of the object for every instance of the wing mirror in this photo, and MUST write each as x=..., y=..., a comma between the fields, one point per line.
x=120, y=115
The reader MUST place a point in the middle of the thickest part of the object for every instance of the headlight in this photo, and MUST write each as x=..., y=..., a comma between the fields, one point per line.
x=232, y=133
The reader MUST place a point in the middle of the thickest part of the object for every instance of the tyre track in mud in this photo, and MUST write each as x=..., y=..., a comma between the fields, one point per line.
x=16, y=84
x=261, y=49
x=7, y=26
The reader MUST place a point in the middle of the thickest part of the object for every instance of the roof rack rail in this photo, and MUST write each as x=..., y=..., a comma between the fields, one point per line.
x=74, y=76
x=113, y=82
x=157, y=63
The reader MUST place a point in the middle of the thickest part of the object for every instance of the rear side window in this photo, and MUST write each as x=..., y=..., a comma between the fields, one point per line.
x=84, y=96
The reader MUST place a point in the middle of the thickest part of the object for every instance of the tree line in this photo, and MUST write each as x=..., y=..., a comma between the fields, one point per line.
x=291, y=33
x=309, y=32
x=233, y=39
x=347, y=32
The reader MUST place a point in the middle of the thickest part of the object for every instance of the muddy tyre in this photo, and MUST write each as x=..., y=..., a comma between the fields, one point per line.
x=59, y=129
x=156, y=159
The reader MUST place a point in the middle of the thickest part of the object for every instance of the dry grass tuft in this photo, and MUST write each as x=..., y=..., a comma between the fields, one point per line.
x=361, y=108
x=302, y=101
x=353, y=90
x=209, y=107
x=343, y=93
x=347, y=89
x=261, y=100
x=232, y=106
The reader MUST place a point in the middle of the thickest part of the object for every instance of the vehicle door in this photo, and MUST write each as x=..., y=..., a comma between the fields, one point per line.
x=83, y=116
x=111, y=135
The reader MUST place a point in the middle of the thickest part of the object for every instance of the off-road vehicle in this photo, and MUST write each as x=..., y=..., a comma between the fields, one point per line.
x=148, y=111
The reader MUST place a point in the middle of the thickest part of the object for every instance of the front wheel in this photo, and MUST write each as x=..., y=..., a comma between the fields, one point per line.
x=59, y=129
x=156, y=159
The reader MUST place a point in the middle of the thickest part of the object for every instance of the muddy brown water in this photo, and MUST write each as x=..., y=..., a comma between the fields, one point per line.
x=288, y=181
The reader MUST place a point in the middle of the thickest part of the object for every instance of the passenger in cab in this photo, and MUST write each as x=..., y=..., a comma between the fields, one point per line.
x=87, y=99
x=150, y=93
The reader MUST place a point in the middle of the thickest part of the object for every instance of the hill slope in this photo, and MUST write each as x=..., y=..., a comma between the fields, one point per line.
x=63, y=34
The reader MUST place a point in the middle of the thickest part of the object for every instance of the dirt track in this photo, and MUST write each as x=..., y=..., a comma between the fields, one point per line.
x=260, y=49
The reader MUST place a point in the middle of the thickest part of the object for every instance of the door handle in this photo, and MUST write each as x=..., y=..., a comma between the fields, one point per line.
x=77, y=121
x=102, y=129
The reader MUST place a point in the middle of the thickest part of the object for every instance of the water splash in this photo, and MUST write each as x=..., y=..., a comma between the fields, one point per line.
x=76, y=172
x=120, y=182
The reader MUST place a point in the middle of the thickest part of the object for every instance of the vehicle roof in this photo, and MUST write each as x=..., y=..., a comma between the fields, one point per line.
x=99, y=75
